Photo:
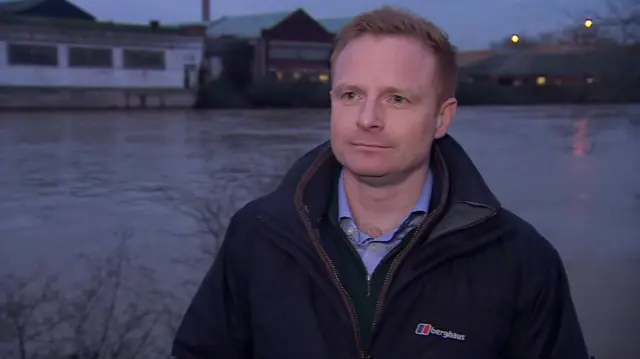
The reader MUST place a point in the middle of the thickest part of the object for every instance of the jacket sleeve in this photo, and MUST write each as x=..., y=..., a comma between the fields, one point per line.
x=215, y=325
x=546, y=325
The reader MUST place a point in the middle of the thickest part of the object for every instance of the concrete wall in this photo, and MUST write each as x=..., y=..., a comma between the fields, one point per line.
x=76, y=98
x=179, y=51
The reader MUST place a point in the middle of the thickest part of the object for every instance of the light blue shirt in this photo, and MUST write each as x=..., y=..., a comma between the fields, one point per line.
x=373, y=250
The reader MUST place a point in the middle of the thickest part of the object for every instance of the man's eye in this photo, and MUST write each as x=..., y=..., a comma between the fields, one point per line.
x=399, y=100
x=350, y=95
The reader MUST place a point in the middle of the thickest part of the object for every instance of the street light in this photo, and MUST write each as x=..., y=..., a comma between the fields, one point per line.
x=588, y=23
x=515, y=38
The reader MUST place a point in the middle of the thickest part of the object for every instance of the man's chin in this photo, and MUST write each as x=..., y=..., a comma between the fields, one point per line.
x=369, y=171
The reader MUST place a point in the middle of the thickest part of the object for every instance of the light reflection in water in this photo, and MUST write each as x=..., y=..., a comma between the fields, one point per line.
x=580, y=165
x=581, y=141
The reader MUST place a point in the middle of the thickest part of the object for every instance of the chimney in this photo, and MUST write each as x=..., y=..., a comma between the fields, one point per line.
x=206, y=10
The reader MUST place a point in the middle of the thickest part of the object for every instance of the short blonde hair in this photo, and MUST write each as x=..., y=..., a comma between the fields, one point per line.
x=390, y=21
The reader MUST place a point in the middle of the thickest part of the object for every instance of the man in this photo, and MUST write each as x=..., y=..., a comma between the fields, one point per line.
x=385, y=243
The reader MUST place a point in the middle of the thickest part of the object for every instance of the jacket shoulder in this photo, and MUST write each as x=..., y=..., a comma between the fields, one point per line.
x=528, y=245
x=242, y=228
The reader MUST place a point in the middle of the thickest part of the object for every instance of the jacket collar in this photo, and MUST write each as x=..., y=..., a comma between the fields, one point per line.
x=458, y=185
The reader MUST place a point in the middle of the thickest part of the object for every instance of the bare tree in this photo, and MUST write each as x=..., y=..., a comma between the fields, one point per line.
x=624, y=18
x=618, y=24
x=114, y=309
x=29, y=313
x=211, y=212
x=112, y=312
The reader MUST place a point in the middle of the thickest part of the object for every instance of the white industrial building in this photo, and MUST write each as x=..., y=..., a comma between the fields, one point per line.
x=37, y=51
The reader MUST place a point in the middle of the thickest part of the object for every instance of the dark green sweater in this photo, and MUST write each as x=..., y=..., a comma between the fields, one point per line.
x=364, y=291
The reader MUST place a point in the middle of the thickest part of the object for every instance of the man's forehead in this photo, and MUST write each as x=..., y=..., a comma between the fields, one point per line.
x=361, y=79
x=383, y=63
x=392, y=46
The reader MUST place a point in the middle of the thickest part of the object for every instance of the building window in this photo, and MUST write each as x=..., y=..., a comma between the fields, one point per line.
x=314, y=54
x=90, y=57
x=143, y=59
x=282, y=52
x=34, y=55
x=299, y=52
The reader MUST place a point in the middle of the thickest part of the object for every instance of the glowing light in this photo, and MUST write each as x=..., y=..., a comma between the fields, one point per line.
x=541, y=80
x=515, y=39
x=588, y=23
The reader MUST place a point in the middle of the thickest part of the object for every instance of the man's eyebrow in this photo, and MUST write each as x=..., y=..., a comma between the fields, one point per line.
x=342, y=87
x=403, y=91
x=412, y=93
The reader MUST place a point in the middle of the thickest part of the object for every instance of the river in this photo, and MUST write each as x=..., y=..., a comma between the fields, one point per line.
x=70, y=180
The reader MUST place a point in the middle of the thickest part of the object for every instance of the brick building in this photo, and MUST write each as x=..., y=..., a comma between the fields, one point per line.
x=290, y=45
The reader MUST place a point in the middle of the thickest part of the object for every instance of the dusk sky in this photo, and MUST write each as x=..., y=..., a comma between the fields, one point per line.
x=470, y=23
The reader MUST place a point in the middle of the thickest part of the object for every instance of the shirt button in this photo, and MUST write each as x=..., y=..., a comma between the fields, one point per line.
x=374, y=247
x=350, y=231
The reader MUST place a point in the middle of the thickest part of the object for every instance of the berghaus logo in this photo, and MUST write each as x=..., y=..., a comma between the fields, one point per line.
x=428, y=329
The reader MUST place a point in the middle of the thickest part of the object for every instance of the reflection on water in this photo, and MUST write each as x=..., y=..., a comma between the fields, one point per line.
x=581, y=141
x=581, y=146
x=69, y=180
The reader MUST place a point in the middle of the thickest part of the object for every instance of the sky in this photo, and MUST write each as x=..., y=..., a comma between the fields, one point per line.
x=469, y=23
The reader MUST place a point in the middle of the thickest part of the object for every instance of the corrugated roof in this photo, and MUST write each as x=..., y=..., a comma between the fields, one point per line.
x=83, y=24
x=245, y=26
x=334, y=25
x=14, y=6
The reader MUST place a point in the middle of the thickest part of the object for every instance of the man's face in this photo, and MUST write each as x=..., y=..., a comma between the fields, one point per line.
x=385, y=111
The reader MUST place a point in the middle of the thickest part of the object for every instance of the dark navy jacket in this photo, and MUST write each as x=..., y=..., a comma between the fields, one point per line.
x=477, y=283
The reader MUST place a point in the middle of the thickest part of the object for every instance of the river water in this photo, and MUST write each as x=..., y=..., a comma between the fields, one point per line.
x=69, y=181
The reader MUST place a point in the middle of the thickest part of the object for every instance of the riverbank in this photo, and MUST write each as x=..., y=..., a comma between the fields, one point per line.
x=42, y=98
x=221, y=94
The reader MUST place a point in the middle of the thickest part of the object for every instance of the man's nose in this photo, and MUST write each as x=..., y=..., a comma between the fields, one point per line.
x=370, y=116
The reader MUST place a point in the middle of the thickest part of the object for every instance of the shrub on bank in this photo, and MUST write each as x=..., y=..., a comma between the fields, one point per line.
x=495, y=94
x=221, y=94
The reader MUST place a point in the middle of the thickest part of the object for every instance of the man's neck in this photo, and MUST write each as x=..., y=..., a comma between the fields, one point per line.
x=378, y=209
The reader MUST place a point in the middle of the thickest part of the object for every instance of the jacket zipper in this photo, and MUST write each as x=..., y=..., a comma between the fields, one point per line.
x=393, y=267
x=336, y=278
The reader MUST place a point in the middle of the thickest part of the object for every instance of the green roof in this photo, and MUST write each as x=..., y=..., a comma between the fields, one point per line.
x=84, y=24
x=13, y=6
x=334, y=25
x=245, y=26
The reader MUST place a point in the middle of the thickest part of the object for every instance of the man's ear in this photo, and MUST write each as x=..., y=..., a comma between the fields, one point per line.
x=445, y=116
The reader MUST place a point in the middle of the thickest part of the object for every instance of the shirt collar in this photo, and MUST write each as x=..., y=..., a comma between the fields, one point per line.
x=422, y=205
